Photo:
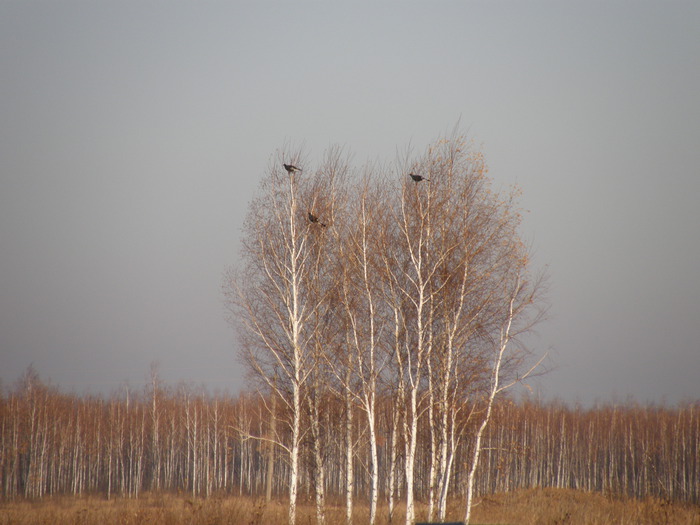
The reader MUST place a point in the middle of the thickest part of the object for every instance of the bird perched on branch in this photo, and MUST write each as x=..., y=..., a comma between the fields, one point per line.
x=418, y=178
x=291, y=169
x=314, y=219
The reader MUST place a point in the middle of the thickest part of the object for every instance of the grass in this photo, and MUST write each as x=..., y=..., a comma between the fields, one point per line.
x=532, y=506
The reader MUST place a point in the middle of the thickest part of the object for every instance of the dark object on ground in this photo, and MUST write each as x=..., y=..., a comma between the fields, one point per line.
x=441, y=523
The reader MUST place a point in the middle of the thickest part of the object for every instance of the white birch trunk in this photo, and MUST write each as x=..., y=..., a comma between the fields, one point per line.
x=349, y=456
x=493, y=391
x=432, y=477
x=448, y=458
x=392, y=462
x=319, y=472
x=294, y=454
x=410, y=436
x=297, y=357
x=374, y=464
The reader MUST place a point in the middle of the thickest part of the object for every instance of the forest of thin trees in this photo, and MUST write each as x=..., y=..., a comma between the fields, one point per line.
x=186, y=440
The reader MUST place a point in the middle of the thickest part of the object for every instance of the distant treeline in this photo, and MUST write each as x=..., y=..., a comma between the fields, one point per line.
x=186, y=439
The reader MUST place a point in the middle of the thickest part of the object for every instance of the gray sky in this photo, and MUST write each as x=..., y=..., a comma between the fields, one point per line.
x=133, y=135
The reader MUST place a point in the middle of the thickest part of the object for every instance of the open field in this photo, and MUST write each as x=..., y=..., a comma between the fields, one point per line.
x=531, y=506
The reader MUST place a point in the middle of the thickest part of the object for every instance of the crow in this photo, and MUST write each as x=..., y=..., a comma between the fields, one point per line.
x=290, y=168
x=314, y=219
x=418, y=178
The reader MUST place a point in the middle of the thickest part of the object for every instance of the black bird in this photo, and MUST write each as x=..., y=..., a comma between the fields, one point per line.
x=418, y=178
x=314, y=219
x=290, y=168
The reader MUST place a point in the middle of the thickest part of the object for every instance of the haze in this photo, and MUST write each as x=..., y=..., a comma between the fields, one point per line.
x=134, y=135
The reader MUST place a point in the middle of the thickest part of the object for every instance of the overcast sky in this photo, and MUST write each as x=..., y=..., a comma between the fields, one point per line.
x=134, y=134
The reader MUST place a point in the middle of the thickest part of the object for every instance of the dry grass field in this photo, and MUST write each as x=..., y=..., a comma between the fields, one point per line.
x=533, y=506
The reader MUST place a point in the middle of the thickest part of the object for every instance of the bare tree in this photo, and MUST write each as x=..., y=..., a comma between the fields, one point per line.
x=280, y=296
x=453, y=249
x=399, y=283
x=326, y=195
x=521, y=296
x=364, y=320
x=268, y=298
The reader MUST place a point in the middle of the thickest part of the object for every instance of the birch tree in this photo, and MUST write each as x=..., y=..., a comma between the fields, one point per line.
x=454, y=248
x=325, y=199
x=397, y=284
x=410, y=263
x=365, y=321
x=276, y=297
x=506, y=363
